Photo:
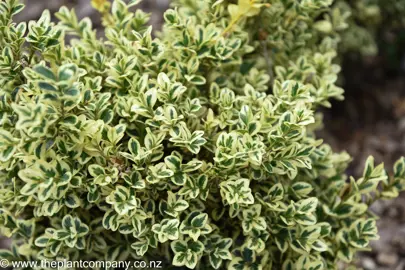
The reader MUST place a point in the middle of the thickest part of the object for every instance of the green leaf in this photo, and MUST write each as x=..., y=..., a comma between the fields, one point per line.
x=307, y=206
x=45, y=72
x=179, y=259
x=170, y=16
x=66, y=72
x=62, y=234
x=180, y=206
x=346, y=254
x=179, y=178
x=215, y=261
x=173, y=163
x=195, y=246
x=67, y=222
x=245, y=115
x=399, y=168
x=344, y=210
x=110, y=220
x=301, y=189
x=47, y=87
x=6, y=255
x=42, y=241
x=134, y=147
x=326, y=228
x=133, y=3
x=7, y=153
x=196, y=79
x=17, y=9
x=320, y=246
x=72, y=201
x=72, y=92
x=179, y=246
x=369, y=167
x=96, y=170
x=26, y=228
x=135, y=180
x=199, y=221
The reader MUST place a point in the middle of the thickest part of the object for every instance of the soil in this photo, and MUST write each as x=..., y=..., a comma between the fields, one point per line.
x=371, y=121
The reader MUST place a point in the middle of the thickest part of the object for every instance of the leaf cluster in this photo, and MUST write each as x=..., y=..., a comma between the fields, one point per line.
x=195, y=146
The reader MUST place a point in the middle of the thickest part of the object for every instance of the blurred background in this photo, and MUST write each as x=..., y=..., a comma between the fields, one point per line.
x=33, y=9
x=371, y=121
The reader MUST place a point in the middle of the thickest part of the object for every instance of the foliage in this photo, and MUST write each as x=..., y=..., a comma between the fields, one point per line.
x=366, y=20
x=196, y=147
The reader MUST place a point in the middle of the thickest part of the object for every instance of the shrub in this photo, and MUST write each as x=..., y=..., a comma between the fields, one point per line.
x=366, y=21
x=196, y=147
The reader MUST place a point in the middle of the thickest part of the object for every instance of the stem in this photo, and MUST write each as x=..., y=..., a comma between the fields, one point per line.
x=32, y=52
x=269, y=61
x=233, y=22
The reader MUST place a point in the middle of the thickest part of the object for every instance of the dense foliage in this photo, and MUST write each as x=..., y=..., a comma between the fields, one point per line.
x=196, y=147
x=365, y=21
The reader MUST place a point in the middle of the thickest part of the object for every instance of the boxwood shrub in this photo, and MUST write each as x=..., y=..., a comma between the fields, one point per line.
x=194, y=145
